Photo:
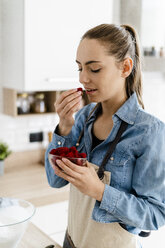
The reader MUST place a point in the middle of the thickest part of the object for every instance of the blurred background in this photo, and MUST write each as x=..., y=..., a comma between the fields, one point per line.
x=38, y=42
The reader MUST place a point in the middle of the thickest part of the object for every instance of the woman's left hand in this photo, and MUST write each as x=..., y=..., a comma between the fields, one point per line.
x=84, y=178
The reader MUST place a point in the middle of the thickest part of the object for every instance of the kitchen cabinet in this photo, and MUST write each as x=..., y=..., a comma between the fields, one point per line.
x=40, y=38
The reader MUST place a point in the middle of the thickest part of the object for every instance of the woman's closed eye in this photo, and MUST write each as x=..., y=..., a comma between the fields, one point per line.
x=95, y=71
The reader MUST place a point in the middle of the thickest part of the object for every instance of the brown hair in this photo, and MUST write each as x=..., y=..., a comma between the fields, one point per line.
x=121, y=40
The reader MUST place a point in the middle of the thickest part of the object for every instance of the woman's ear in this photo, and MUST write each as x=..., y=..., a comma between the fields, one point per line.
x=127, y=67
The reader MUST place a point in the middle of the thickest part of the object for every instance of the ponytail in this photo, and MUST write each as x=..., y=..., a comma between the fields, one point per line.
x=134, y=80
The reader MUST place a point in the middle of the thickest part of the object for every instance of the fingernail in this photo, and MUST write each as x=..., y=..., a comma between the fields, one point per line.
x=58, y=161
x=64, y=159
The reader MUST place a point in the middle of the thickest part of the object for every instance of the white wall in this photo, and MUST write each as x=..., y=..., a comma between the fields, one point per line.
x=154, y=94
x=153, y=19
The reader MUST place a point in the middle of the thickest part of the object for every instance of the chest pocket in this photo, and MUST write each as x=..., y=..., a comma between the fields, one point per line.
x=118, y=159
x=118, y=166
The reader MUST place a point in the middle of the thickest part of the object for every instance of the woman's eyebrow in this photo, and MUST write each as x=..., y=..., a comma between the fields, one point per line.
x=89, y=62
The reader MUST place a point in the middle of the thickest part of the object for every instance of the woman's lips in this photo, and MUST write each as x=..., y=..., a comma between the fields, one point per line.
x=90, y=91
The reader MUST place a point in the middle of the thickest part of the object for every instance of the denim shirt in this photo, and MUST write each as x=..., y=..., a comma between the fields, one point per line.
x=136, y=194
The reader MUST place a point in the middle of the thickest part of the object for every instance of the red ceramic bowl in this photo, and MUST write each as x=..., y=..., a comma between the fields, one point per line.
x=79, y=161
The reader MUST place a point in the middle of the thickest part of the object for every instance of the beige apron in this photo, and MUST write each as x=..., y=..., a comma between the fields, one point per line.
x=87, y=233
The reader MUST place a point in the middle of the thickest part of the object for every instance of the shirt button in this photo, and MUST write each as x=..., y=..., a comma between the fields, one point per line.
x=112, y=158
x=59, y=143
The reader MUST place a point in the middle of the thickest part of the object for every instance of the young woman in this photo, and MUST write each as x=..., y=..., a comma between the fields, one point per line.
x=120, y=191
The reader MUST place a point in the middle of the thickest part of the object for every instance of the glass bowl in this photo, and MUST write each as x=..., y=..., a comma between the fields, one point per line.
x=14, y=217
x=79, y=161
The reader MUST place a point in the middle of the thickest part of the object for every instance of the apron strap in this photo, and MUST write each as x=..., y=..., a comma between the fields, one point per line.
x=111, y=149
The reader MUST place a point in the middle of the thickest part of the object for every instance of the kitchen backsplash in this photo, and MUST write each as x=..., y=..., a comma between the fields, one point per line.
x=16, y=131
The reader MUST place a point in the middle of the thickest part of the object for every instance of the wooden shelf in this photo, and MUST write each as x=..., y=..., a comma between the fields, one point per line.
x=153, y=64
x=10, y=102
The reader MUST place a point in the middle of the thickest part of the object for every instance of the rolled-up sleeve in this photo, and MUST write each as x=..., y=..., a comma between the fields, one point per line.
x=145, y=208
x=53, y=179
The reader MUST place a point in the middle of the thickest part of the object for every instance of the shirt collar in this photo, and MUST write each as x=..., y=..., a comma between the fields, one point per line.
x=127, y=112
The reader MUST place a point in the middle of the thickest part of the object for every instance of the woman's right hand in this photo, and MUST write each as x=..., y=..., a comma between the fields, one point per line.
x=66, y=105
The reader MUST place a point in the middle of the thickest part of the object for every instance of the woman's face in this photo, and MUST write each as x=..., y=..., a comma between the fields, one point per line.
x=99, y=73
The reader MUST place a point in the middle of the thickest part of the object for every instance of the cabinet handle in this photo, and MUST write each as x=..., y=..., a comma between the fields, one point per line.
x=54, y=80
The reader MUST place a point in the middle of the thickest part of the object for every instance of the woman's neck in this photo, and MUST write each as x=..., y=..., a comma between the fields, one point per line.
x=110, y=107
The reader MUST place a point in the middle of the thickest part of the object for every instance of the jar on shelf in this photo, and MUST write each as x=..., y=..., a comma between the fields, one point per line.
x=23, y=104
x=39, y=103
x=162, y=52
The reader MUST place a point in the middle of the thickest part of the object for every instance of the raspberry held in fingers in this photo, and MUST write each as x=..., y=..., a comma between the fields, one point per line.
x=80, y=89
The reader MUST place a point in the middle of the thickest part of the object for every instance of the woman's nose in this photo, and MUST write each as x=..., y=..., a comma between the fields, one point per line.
x=83, y=77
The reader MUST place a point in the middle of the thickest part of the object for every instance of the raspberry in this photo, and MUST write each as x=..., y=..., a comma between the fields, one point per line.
x=80, y=89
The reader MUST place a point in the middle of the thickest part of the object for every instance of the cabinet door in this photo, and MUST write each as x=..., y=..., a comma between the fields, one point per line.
x=12, y=44
x=52, y=33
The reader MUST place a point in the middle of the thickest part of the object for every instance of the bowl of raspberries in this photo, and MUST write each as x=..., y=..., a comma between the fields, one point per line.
x=70, y=153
